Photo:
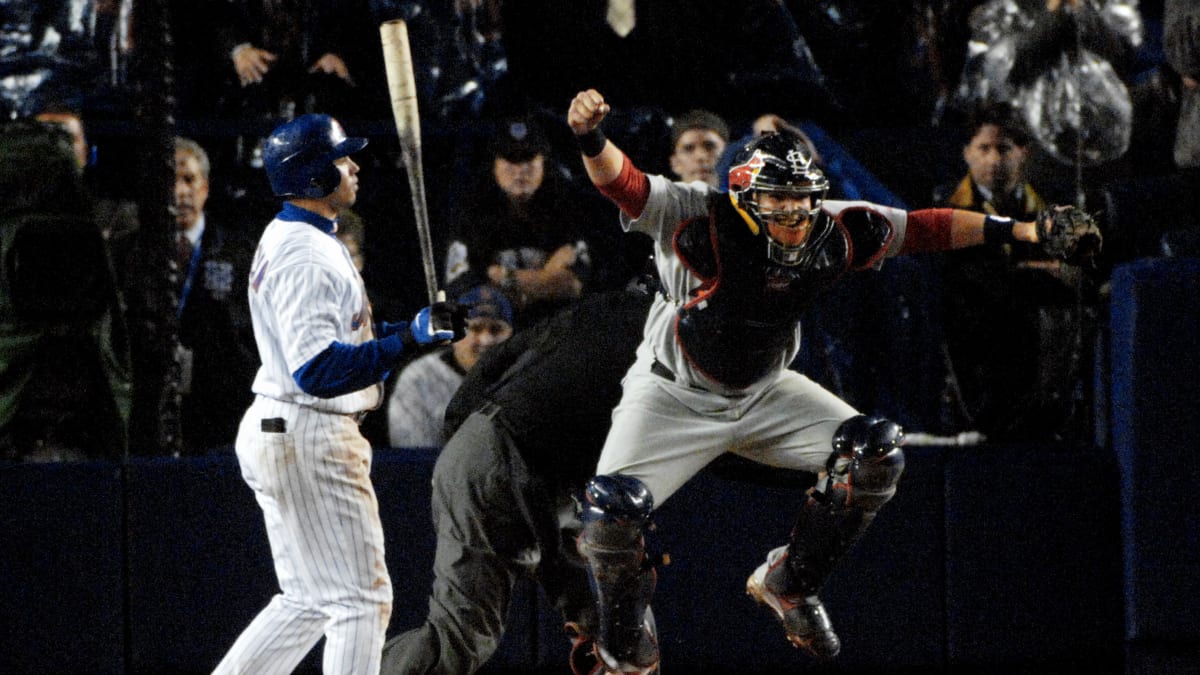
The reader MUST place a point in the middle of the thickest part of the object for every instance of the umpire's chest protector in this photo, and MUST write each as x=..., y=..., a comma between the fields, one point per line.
x=741, y=320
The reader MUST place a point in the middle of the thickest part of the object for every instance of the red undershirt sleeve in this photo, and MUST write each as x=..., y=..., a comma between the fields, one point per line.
x=927, y=230
x=629, y=190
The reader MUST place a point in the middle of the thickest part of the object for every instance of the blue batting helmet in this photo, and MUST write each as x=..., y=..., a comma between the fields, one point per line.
x=299, y=156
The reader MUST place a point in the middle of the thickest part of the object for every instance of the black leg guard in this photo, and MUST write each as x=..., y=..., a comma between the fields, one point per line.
x=863, y=471
x=615, y=512
x=583, y=658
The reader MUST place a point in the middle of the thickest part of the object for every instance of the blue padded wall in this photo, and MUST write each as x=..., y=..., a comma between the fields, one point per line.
x=1032, y=571
x=61, y=562
x=1155, y=365
x=996, y=557
x=199, y=563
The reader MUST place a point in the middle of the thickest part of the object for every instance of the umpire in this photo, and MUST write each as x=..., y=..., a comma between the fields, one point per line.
x=505, y=479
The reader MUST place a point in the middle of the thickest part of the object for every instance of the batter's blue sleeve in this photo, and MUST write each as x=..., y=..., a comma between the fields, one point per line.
x=342, y=369
x=387, y=328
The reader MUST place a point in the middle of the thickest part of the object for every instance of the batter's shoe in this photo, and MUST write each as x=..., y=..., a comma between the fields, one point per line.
x=804, y=618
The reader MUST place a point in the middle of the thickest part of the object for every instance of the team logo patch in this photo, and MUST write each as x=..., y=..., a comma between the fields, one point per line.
x=742, y=175
x=257, y=275
x=218, y=278
x=798, y=162
x=336, y=133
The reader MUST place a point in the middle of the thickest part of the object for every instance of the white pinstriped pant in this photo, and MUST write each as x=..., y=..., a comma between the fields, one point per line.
x=322, y=519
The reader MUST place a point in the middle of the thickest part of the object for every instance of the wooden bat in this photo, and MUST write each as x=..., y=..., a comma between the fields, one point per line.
x=402, y=86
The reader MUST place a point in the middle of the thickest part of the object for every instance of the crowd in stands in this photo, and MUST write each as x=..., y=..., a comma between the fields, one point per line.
x=981, y=105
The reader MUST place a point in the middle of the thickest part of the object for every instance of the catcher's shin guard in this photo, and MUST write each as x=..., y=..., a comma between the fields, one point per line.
x=615, y=511
x=864, y=468
x=584, y=659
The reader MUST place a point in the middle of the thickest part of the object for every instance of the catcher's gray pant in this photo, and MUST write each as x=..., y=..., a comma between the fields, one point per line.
x=495, y=521
x=663, y=432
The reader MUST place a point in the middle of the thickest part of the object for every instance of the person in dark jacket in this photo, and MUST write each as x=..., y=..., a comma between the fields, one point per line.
x=525, y=430
x=217, y=356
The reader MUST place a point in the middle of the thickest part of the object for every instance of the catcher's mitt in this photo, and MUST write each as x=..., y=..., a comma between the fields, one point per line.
x=1068, y=233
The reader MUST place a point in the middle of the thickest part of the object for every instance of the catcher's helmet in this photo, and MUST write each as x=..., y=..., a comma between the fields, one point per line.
x=782, y=164
x=299, y=156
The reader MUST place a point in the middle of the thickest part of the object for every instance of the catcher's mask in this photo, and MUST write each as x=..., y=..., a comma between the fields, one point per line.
x=299, y=156
x=769, y=179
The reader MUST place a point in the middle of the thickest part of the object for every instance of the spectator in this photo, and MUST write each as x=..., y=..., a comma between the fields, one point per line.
x=64, y=353
x=352, y=233
x=256, y=63
x=117, y=218
x=295, y=56
x=217, y=354
x=697, y=140
x=1015, y=320
x=996, y=151
x=417, y=404
x=54, y=50
x=521, y=228
x=868, y=52
x=1181, y=39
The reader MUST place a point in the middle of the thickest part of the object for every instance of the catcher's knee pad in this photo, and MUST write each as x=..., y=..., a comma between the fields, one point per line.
x=866, y=462
x=864, y=468
x=616, y=499
x=615, y=511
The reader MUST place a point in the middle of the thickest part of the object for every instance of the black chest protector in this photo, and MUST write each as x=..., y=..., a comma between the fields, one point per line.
x=740, y=321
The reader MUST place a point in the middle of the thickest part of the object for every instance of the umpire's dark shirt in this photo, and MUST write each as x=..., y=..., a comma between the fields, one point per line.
x=557, y=382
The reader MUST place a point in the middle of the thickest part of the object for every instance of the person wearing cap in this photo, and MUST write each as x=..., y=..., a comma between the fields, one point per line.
x=521, y=228
x=425, y=386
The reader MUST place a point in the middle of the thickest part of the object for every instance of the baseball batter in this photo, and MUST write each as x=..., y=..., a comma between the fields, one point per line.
x=299, y=446
x=711, y=376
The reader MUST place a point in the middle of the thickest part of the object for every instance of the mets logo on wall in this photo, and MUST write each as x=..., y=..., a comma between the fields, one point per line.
x=742, y=175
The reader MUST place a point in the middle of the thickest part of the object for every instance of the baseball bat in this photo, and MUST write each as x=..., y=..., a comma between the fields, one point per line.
x=402, y=86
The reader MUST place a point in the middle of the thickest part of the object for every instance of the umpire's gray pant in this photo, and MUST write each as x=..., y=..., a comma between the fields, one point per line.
x=495, y=522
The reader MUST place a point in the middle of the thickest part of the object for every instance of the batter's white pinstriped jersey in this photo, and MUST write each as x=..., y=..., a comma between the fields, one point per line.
x=304, y=294
x=309, y=465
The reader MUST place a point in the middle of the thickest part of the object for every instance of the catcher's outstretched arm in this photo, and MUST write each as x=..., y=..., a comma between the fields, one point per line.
x=1064, y=232
x=945, y=229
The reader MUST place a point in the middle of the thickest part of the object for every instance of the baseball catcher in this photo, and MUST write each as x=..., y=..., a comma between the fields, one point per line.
x=737, y=270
